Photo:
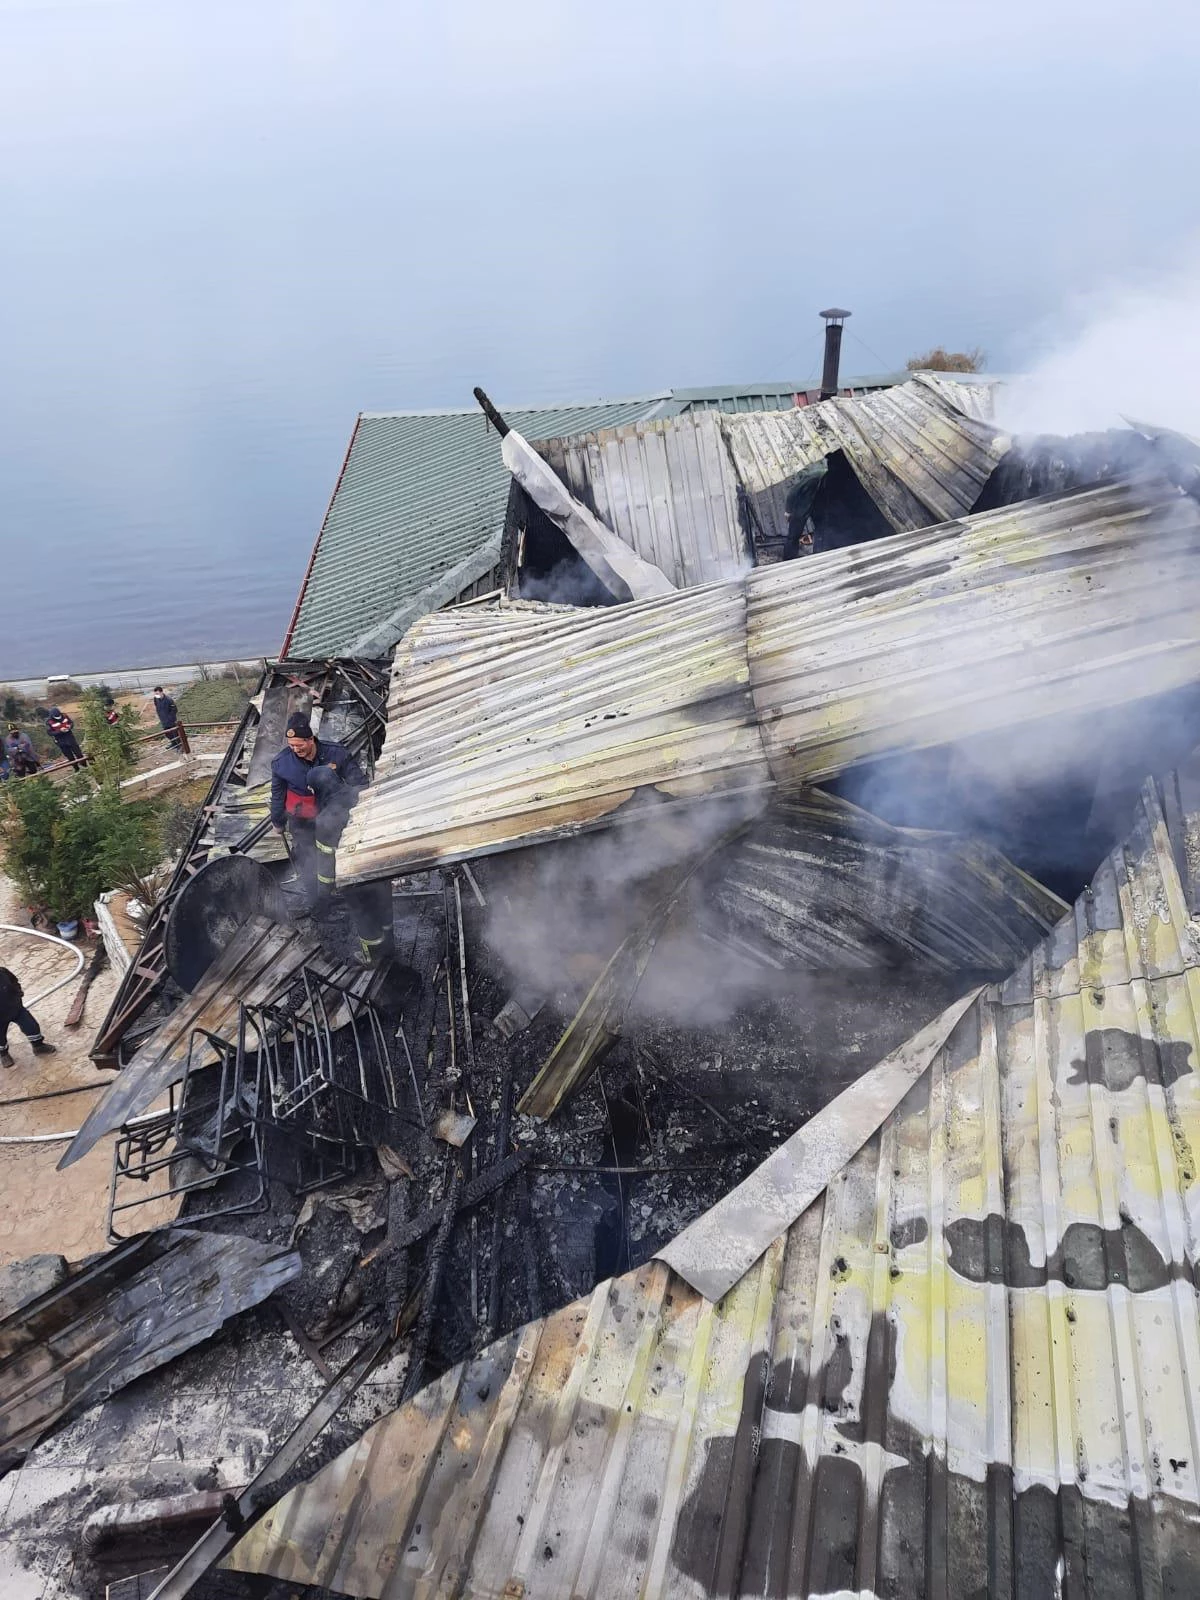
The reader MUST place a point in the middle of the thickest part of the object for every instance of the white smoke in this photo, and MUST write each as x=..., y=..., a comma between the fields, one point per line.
x=1132, y=353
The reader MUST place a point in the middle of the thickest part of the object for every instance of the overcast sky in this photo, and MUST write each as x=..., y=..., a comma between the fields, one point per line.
x=228, y=227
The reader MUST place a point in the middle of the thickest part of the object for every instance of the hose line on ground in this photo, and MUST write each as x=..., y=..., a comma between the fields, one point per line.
x=51, y=938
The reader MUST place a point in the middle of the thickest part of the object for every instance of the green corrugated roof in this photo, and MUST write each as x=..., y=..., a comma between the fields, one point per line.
x=419, y=492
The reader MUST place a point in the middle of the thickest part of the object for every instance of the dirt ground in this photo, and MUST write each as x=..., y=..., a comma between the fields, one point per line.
x=43, y=1210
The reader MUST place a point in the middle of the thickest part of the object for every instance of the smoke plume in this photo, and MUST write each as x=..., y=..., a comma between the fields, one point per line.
x=1131, y=352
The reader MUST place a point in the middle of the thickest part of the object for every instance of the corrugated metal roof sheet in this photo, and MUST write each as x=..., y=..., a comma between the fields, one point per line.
x=420, y=491
x=531, y=729
x=1054, y=606
x=772, y=394
x=973, y=393
x=972, y=1367
x=817, y=883
x=915, y=449
x=520, y=724
x=667, y=487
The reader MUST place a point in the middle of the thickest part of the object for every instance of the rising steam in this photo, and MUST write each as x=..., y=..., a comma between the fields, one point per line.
x=1133, y=353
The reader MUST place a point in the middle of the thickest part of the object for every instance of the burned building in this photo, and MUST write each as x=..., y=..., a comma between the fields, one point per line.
x=765, y=1162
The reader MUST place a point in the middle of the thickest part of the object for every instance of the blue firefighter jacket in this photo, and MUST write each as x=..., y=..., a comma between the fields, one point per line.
x=291, y=775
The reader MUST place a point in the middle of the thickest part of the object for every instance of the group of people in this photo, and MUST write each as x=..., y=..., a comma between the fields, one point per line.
x=18, y=758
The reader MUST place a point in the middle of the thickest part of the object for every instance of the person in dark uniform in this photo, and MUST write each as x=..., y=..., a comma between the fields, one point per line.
x=167, y=713
x=314, y=783
x=13, y=1009
x=62, y=730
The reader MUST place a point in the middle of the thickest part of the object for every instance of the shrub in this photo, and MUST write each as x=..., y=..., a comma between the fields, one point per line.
x=211, y=700
x=31, y=811
x=176, y=820
x=64, y=846
x=940, y=360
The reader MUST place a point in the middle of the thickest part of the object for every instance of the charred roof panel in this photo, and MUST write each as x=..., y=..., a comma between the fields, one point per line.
x=1066, y=604
x=972, y=1366
x=920, y=450
x=532, y=729
x=118, y=1317
x=419, y=492
x=666, y=487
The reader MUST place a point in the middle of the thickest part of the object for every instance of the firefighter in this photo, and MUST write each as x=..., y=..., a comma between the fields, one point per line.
x=314, y=782
x=62, y=730
x=13, y=1009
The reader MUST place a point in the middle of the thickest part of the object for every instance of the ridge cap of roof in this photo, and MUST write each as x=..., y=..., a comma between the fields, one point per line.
x=555, y=405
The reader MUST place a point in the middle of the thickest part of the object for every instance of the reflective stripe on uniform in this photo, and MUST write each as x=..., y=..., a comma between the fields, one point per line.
x=328, y=848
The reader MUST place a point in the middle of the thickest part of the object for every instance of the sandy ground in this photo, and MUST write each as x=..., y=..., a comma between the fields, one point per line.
x=41, y=1209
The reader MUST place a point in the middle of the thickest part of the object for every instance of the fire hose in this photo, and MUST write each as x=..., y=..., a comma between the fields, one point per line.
x=33, y=1000
x=52, y=938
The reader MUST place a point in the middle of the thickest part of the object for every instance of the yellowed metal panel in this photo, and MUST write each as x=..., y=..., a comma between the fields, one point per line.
x=1059, y=606
x=538, y=728
x=523, y=724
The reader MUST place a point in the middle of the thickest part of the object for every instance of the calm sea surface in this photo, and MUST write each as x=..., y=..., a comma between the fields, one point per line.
x=228, y=228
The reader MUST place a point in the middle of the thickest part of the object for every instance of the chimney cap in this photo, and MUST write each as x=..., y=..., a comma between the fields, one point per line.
x=834, y=314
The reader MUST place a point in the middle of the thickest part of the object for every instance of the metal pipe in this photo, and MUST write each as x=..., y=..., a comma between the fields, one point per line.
x=834, y=320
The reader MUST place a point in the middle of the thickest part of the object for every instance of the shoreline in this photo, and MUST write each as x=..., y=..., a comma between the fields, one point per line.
x=44, y=687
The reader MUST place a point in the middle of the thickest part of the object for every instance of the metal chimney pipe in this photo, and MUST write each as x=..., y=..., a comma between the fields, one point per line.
x=834, y=318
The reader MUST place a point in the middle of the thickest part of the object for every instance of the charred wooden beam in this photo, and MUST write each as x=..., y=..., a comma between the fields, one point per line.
x=434, y=1272
x=490, y=412
x=503, y=1121
x=471, y=1195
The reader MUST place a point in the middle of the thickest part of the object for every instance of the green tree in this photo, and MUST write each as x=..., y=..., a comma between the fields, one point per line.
x=64, y=846
x=127, y=843
x=111, y=747
x=33, y=808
